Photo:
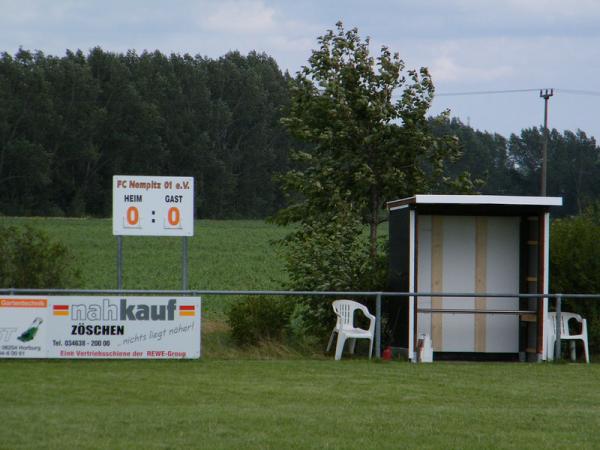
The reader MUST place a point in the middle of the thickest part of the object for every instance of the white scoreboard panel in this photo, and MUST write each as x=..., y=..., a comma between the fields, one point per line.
x=153, y=206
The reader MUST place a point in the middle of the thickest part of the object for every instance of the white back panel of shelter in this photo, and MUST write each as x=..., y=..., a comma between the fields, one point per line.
x=453, y=252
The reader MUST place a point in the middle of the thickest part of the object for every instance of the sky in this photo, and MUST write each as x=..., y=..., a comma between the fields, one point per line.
x=468, y=45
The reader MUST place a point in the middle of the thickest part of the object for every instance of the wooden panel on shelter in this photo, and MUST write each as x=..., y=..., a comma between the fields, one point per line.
x=481, y=227
x=437, y=273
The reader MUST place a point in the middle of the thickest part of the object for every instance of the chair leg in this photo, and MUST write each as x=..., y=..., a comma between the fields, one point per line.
x=550, y=342
x=352, y=345
x=573, y=354
x=586, y=351
x=585, y=340
x=330, y=341
x=370, y=348
x=339, y=347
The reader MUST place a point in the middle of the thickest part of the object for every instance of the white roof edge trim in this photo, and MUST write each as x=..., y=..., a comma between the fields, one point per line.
x=398, y=207
x=488, y=200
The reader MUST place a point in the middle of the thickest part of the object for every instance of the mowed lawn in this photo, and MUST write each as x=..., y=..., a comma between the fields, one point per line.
x=279, y=404
x=234, y=398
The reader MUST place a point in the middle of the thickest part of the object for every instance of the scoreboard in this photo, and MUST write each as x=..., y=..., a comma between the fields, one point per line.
x=153, y=206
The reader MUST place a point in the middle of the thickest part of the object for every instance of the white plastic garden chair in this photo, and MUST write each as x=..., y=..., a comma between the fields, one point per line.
x=345, y=329
x=565, y=334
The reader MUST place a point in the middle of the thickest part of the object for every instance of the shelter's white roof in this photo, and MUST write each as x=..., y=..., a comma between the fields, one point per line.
x=477, y=200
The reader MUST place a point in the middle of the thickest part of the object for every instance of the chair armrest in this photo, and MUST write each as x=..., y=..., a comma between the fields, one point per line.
x=370, y=316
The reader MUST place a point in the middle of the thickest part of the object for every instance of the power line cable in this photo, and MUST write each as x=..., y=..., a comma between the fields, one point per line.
x=578, y=92
x=513, y=91
x=505, y=91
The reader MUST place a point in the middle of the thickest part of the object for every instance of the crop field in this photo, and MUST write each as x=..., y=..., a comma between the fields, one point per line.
x=223, y=255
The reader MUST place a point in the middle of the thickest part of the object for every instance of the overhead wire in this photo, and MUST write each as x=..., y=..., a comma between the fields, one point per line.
x=505, y=91
x=578, y=92
x=513, y=91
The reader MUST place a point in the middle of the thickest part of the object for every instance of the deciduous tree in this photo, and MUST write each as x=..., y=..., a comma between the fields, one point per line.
x=363, y=122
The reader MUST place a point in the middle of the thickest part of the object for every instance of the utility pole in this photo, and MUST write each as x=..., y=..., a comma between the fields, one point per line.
x=545, y=94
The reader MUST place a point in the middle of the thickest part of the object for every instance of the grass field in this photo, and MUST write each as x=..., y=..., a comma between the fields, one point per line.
x=269, y=396
x=276, y=404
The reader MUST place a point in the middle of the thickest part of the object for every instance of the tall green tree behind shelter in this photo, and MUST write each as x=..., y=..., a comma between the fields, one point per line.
x=362, y=120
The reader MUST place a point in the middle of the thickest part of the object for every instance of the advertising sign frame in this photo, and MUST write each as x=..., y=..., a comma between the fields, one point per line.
x=100, y=327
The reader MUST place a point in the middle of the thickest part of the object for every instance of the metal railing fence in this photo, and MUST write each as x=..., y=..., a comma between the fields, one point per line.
x=378, y=296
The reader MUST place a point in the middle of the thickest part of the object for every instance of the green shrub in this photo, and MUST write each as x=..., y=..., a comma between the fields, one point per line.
x=331, y=254
x=30, y=259
x=575, y=267
x=260, y=318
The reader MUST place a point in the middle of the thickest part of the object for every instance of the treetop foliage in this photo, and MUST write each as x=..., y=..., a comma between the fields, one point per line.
x=68, y=124
x=512, y=166
x=363, y=139
x=363, y=146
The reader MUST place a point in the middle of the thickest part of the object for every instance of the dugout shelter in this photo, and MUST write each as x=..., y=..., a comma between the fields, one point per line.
x=465, y=244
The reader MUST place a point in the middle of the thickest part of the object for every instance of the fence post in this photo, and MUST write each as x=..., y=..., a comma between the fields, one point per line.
x=378, y=326
x=557, y=346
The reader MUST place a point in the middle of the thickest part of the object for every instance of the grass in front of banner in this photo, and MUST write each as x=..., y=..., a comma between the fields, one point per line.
x=297, y=404
x=223, y=254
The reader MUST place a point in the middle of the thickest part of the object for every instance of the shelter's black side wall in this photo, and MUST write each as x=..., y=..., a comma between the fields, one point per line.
x=399, y=224
x=395, y=312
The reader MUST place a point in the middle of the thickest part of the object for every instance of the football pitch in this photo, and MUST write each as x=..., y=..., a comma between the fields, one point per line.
x=244, y=398
x=304, y=403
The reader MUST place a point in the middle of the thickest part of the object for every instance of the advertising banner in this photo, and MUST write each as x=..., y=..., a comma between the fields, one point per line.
x=21, y=333
x=100, y=327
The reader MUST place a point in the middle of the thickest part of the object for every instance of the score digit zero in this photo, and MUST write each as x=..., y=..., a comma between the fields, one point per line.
x=133, y=216
x=174, y=216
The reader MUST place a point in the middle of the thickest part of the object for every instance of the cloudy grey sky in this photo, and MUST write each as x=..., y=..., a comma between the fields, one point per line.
x=469, y=45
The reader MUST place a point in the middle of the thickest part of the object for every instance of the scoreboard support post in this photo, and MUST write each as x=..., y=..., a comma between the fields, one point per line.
x=119, y=262
x=184, y=264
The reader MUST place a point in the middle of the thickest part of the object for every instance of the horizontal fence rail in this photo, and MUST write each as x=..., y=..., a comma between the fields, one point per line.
x=476, y=311
x=369, y=294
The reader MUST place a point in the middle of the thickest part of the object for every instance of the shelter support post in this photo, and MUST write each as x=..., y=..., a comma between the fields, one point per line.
x=412, y=356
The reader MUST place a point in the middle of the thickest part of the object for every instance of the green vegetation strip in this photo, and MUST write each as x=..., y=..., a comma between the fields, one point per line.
x=297, y=404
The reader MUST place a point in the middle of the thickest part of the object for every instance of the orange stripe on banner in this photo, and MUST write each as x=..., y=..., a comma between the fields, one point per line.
x=55, y=307
x=187, y=308
x=61, y=313
x=23, y=303
x=187, y=313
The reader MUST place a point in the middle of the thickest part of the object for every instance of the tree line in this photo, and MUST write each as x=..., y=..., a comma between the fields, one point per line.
x=512, y=166
x=68, y=124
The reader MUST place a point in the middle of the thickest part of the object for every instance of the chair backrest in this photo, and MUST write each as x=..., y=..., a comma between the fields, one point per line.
x=564, y=321
x=344, y=309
